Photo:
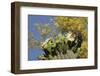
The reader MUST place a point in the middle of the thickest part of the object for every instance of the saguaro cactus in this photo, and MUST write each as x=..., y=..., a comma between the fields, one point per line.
x=60, y=48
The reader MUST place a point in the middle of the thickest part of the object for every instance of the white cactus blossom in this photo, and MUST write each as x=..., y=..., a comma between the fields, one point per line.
x=46, y=41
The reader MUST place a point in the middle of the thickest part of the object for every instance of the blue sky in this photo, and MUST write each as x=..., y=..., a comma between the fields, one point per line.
x=32, y=20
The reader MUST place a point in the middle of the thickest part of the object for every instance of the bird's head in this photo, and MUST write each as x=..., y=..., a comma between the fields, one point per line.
x=70, y=36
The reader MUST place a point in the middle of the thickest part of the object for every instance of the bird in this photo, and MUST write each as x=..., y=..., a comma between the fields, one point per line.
x=74, y=40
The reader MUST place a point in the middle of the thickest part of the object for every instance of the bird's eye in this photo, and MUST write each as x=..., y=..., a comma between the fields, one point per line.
x=51, y=41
